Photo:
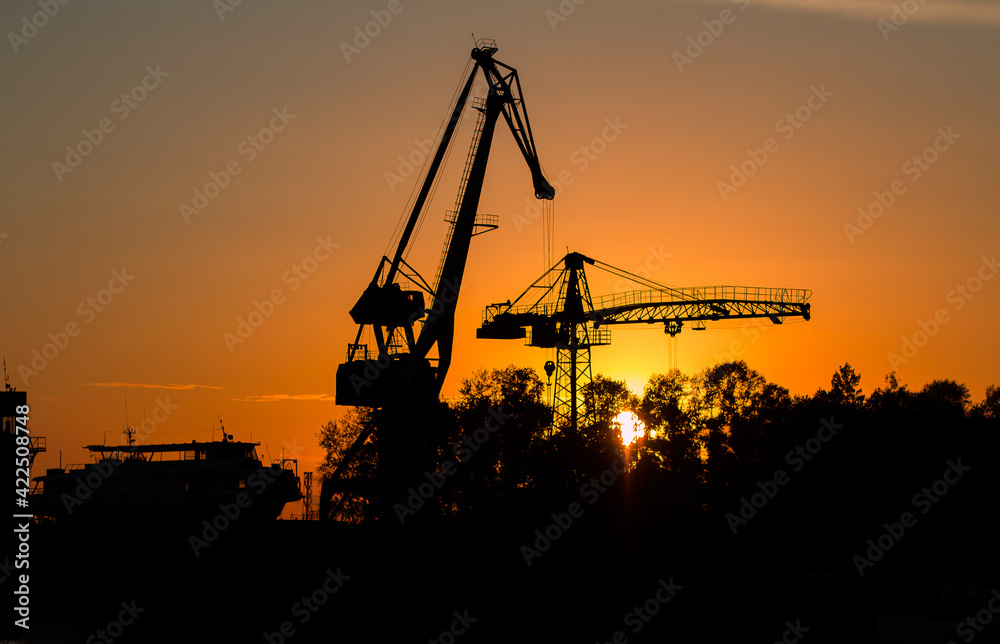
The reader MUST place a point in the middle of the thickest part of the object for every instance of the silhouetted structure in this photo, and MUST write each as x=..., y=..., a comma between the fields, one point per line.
x=397, y=376
x=10, y=400
x=559, y=312
x=162, y=483
x=756, y=502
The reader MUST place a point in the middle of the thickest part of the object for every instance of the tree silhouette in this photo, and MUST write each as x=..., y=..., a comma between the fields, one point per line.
x=604, y=399
x=845, y=387
x=990, y=406
x=723, y=394
x=335, y=438
x=729, y=390
x=711, y=438
x=673, y=425
x=945, y=396
x=893, y=397
x=507, y=404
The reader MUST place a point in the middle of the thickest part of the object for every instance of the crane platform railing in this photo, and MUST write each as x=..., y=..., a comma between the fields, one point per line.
x=484, y=223
x=756, y=294
x=541, y=310
x=487, y=44
x=594, y=337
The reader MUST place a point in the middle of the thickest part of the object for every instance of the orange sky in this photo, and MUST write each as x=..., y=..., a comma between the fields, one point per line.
x=881, y=94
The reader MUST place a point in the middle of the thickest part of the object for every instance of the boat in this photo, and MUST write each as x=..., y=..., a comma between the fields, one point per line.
x=168, y=481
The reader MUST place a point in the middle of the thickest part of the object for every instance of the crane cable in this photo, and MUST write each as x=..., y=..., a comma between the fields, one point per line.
x=548, y=259
x=423, y=171
x=401, y=222
x=548, y=234
x=644, y=281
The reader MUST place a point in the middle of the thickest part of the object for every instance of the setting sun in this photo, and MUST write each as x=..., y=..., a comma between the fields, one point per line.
x=631, y=427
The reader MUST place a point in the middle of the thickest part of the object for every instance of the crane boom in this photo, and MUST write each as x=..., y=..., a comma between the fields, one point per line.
x=401, y=353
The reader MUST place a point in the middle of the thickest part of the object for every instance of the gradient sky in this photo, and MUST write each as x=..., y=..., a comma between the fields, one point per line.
x=650, y=199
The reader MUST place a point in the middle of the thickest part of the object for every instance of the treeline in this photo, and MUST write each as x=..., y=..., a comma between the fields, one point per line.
x=838, y=460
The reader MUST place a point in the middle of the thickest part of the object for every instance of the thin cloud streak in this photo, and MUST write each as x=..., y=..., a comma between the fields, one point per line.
x=280, y=397
x=962, y=12
x=149, y=385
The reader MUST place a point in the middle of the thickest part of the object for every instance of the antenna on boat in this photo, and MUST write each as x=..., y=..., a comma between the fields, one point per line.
x=125, y=392
x=6, y=378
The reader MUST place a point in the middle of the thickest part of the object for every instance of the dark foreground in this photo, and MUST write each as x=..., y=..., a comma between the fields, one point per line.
x=470, y=583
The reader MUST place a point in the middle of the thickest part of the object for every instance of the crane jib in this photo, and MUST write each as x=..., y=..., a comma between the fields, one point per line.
x=389, y=307
x=565, y=317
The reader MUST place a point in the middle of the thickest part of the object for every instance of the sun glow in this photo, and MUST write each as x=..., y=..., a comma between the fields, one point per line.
x=631, y=427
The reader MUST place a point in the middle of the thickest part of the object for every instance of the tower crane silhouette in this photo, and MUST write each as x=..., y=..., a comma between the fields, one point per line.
x=558, y=312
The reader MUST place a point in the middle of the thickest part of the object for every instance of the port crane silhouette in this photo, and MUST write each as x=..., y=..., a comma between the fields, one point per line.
x=557, y=312
x=398, y=375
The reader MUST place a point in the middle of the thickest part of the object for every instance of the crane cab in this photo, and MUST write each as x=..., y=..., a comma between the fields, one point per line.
x=388, y=305
x=377, y=383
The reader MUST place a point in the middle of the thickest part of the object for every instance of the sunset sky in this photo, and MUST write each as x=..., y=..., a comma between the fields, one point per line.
x=828, y=105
